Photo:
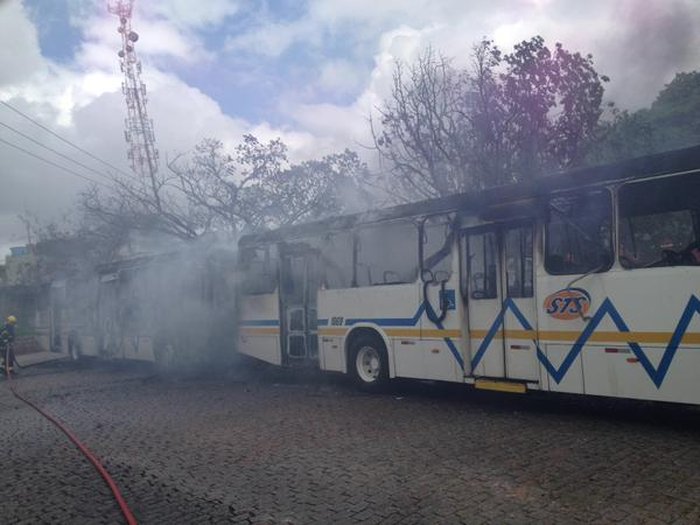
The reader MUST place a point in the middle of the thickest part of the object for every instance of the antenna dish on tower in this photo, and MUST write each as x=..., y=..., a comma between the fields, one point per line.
x=138, y=131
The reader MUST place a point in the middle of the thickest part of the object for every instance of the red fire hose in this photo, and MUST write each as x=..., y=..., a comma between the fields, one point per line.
x=128, y=515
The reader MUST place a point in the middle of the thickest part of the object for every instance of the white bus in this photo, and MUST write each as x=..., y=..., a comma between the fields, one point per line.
x=172, y=308
x=585, y=282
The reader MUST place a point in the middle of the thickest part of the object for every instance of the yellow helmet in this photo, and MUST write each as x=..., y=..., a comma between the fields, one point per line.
x=11, y=319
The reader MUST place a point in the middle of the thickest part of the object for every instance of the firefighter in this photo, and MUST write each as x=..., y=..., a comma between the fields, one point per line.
x=7, y=338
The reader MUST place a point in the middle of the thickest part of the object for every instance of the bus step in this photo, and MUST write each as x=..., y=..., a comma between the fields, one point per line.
x=500, y=386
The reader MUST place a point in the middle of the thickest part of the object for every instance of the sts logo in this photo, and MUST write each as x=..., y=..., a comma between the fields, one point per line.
x=570, y=303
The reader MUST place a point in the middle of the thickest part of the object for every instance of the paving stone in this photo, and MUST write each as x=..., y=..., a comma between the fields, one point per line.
x=267, y=448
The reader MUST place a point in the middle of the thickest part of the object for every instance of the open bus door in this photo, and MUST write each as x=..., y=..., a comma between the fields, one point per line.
x=499, y=279
x=299, y=283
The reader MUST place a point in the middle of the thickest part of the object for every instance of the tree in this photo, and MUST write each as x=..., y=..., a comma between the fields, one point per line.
x=676, y=112
x=313, y=189
x=67, y=245
x=509, y=117
x=422, y=131
x=258, y=187
x=225, y=188
x=626, y=136
x=131, y=204
x=671, y=122
x=210, y=190
x=554, y=103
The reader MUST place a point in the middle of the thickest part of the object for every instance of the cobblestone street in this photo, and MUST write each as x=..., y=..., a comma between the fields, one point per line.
x=260, y=447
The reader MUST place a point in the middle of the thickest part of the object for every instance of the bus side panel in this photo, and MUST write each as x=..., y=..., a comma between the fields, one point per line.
x=442, y=348
x=392, y=310
x=620, y=374
x=331, y=354
x=561, y=365
x=625, y=345
x=89, y=345
x=139, y=347
x=259, y=333
x=654, y=304
x=572, y=381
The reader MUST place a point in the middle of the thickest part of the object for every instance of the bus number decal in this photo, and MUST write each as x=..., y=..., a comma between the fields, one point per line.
x=568, y=304
x=337, y=321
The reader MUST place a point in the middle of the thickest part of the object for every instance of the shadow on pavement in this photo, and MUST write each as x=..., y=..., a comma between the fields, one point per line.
x=251, y=373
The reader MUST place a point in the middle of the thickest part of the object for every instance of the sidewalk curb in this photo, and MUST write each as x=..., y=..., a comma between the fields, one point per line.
x=41, y=362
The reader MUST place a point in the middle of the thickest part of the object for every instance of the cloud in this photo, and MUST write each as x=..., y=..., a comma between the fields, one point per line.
x=194, y=15
x=631, y=42
x=158, y=37
x=273, y=39
x=20, y=55
x=340, y=77
x=646, y=45
x=309, y=72
x=82, y=100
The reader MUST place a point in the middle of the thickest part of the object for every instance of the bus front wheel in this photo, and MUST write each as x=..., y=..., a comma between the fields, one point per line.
x=368, y=363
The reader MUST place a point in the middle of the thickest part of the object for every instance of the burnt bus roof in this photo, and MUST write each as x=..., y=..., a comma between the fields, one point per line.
x=133, y=263
x=669, y=162
x=163, y=258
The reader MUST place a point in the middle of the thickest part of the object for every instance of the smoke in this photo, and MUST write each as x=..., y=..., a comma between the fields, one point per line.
x=653, y=41
x=175, y=306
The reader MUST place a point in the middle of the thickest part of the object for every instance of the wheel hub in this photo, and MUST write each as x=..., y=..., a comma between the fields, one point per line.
x=368, y=364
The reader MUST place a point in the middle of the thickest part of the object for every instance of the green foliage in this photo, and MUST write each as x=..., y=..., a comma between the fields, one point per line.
x=510, y=117
x=672, y=122
x=214, y=189
x=258, y=187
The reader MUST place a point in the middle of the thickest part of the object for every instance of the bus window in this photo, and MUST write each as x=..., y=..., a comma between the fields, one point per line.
x=660, y=222
x=387, y=254
x=438, y=235
x=337, y=257
x=579, y=233
x=482, y=265
x=259, y=268
x=518, y=253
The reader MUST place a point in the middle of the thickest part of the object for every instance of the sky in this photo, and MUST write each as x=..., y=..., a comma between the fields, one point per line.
x=310, y=72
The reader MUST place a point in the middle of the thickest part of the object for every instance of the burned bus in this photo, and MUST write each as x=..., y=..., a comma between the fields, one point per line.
x=584, y=282
x=170, y=308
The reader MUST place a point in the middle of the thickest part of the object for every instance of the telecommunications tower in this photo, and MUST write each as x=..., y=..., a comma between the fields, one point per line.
x=138, y=128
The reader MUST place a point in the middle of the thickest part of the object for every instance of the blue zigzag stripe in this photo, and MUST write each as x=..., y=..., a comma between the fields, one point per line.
x=448, y=341
x=657, y=375
x=413, y=321
x=508, y=304
x=390, y=321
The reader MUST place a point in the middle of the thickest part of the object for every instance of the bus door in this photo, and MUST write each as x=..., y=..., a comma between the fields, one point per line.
x=298, y=300
x=500, y=298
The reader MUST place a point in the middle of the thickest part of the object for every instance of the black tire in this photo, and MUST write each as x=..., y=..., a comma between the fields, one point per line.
x=368, y=363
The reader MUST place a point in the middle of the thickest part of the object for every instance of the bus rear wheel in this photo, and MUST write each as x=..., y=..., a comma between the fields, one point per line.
x=368, y=363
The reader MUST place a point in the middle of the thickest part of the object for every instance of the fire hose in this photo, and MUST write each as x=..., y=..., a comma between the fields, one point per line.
x=128, y=515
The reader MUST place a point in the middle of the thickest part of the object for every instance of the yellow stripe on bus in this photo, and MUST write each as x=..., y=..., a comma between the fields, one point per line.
x=439, y=334
x=260, y=330
x=690, y=338
x=415, y=333
x=513, y=334
x=333, y=331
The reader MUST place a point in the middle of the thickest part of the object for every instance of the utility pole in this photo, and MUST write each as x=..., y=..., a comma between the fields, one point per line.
x=138, y=127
